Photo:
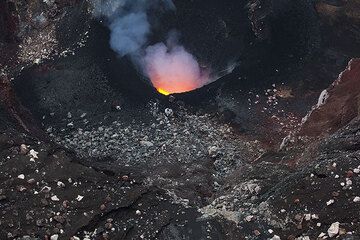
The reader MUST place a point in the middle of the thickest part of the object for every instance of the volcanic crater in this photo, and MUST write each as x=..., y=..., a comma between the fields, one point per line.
x=91, y=148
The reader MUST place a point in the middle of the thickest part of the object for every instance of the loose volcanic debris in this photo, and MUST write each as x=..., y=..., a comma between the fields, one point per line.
x=328, y=188
x=173, y=137
x=61, y=199
x=36, y=33
x=268, y=113
x=275, y=209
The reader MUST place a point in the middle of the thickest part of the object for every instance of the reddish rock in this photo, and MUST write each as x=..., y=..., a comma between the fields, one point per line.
x=349, y=174
x=340, y=107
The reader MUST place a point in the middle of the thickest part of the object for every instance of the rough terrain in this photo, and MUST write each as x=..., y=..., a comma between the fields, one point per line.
x=264, y=153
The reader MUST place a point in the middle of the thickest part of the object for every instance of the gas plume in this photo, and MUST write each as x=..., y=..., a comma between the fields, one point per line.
x=169, y=66
x=173, y=70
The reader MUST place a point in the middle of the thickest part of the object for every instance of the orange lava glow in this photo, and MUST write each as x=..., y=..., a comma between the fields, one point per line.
x=173, y=70
x=163, y=92
x=168, y=87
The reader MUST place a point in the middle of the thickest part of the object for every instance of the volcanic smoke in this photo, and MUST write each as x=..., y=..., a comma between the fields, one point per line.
x=173, y=70
x=170, y=67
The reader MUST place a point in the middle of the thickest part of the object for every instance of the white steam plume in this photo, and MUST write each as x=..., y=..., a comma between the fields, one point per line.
x=169, y=66
x=129, y=33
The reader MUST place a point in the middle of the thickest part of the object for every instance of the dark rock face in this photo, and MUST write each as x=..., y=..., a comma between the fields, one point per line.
x=341, y=18
x=9, y=22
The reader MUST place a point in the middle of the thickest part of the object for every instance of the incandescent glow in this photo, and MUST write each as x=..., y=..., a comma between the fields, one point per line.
x=163, y=92
x=173, y=70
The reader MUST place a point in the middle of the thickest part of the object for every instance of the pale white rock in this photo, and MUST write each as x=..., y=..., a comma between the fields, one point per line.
x=356, y=170
x=169, y=112
x=49, y=2
x=79, y=198
x=334, y=229
x=55, y=198
x=253, y=188
x=275, y=237
x=356, y=199
x=213, y=150
x=331, y=201
x=321, y=235
x=322, y=98
x=45, y=189
x=249, y=218
x=348, y=182
x=21, y=176
x=54, y=237
x=286, y=140
x=138, y=212
x=146, y=144
x=33, y=154
x=60, y=184
x=314, y=216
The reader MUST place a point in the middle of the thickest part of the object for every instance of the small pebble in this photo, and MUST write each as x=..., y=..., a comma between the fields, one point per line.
x=108, y=226
x=60, y=184
x=79, y=198
x=55, y=198
x=102, y=207
x=54, y=237
x=21, y=176
x=356, y=199
x=331, y=201
x=334, y=229
x=23, y=149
